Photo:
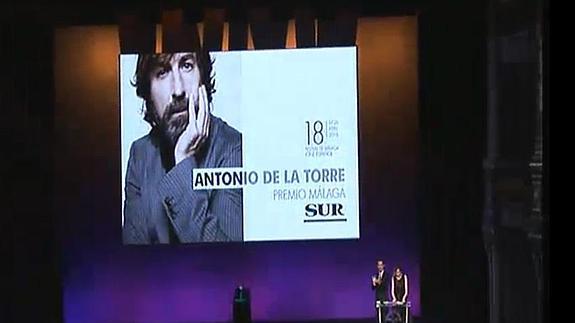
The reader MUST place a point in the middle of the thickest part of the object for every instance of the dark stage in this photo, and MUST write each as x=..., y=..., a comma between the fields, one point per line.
x=452, y=126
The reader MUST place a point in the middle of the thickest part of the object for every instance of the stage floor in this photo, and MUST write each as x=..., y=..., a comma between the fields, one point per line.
x=368, y=320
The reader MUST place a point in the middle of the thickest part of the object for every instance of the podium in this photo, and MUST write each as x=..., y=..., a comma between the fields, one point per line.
x=392, y=315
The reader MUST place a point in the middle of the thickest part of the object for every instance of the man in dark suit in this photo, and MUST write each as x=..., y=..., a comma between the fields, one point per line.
x=380, y=284
x=161, y=206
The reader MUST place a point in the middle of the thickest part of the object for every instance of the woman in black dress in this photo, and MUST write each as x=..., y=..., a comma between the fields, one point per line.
x=399, y=292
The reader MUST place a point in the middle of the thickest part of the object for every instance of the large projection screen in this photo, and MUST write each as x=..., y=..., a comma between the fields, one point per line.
x=245, y=146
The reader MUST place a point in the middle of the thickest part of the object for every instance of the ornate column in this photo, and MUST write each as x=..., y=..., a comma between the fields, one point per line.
x=514, y=167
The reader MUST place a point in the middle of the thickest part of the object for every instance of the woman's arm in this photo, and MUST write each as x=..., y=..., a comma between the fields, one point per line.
x=406, y=289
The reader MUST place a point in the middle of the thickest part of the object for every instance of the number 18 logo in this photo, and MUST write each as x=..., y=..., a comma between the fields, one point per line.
x=315, y=132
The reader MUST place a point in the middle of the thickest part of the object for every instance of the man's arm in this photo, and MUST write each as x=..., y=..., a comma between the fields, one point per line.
x=133, y=231
x=196, y=216
x=385, y=282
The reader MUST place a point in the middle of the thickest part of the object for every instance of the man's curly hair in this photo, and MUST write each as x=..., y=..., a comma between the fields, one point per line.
x=142, y=77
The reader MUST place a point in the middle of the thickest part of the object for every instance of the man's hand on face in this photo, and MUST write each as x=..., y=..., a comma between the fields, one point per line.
x=197, y=131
